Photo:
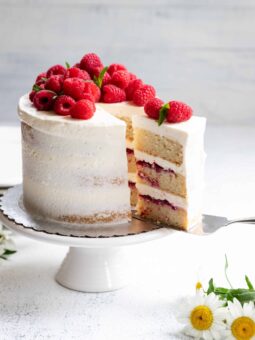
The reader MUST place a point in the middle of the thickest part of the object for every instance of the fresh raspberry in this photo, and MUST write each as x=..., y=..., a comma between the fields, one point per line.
x=143, y=94
x=132, y=87
x=121, y=79
x=113, y=94
x=132, y=76
x=96, y=72
x=152, y=107
x=83, y=109
x=178, y=112
x=54, y=83
x=74, y=87
x=39, y=78
x=63, y=105
x=42, y=86
x=88, y=96
x=31, y=95
x=93, y=89
x=55, y=70
x=116, y=67
x=90, y=61
x=75, y=72
x=44, y=100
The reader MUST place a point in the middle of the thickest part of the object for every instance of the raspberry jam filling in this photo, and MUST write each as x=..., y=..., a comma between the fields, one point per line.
x=157, y=201
x=153, y=182
x=131, y=185
x=155, y=167
x=130, y=151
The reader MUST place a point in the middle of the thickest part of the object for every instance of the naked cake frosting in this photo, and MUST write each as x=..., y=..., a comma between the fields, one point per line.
x=70, y=172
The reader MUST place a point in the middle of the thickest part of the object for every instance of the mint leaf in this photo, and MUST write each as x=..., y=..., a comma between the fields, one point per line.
x=36, y=88
x=163, y=113
x=211, y=287
x=99, y=80
x=248, y=282
x=67, y=65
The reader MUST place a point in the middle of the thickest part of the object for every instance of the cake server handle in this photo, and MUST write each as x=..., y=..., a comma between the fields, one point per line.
x=250, y=220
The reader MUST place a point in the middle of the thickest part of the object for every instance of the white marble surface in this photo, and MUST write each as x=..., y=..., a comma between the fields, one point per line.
x=34, y=306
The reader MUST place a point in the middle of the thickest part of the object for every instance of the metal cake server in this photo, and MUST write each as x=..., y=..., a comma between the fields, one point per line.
x=212, y=223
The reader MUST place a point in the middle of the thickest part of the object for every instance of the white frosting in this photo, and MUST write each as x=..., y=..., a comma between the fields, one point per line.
x=123, y=109
x=70, y=166
x=51, y=123
x=142, y=156
x=177, y=201
x=86, y=200
x=132, y=177
x=179, y=132
x=129, y=144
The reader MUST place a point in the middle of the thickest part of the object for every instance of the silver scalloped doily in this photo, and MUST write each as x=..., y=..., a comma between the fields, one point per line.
x=11, y=205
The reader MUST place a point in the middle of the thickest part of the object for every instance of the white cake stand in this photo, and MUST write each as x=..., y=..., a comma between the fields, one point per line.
x=92, y=264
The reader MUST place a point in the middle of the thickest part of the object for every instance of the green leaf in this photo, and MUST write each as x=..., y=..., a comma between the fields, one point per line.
x=248, y=282
x=44, y=79
x=221, y=290
x=99, y=80
x=211, y=287
x=67, y=65
x=226, y=267
x=36, y=88
x=9, y=252
x=163, y=113
x=247, y=296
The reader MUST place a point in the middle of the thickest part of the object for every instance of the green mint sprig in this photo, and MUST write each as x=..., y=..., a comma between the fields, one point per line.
x=163, y=113
x=99, y=80
x=36, y=88
x=67, y=64
x=228, y=294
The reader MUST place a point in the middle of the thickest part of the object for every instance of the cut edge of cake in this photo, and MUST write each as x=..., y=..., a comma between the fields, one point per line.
x=170, y=161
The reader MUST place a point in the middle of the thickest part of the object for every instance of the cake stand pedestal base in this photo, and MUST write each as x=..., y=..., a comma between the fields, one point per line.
x=94, y=269
x=96, y=261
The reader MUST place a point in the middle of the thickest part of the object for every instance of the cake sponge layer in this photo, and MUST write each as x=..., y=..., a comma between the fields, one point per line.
x=160, y=212
x=133, y=197
x=159, y=146
x=131, y=161
x=165, y=180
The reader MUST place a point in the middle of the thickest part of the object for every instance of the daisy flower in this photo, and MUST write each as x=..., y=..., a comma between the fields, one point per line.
x=7, y=246
x=203, y=316
x=240, y=321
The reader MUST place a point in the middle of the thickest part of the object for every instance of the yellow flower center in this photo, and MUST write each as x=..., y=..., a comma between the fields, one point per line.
x=243, y=328
x=198, y=285
x=201, y=318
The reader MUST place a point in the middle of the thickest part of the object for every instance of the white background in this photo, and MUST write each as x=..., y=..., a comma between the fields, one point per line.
x=200, y=51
